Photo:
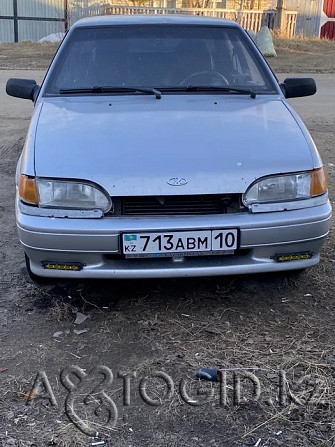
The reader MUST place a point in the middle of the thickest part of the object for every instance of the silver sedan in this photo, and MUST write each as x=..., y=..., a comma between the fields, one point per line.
x=165, y=147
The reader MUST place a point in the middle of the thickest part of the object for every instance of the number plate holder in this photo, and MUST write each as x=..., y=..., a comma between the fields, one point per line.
x=180, y=243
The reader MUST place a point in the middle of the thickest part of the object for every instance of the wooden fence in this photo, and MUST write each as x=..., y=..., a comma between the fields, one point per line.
x=248, y=19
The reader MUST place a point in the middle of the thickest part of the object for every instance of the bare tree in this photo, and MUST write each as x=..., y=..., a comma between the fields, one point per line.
x=196, y=3
x=247, y=4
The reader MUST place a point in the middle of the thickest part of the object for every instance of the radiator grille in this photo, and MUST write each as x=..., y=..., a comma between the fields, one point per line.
x=177, y=205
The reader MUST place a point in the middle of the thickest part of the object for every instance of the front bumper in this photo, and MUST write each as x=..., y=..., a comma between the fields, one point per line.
x=96, y=243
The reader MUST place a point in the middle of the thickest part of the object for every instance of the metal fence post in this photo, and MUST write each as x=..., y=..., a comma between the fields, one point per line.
x=16, y=21
x=66, y=15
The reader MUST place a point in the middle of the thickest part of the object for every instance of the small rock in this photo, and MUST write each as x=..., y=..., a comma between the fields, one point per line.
x=213, y=331
x=80, y=331
x=10, y=415
x=80, y=318
x=272, y=375
x=58, y=334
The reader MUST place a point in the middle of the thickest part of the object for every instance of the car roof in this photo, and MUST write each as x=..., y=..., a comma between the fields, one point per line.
x=150, y=19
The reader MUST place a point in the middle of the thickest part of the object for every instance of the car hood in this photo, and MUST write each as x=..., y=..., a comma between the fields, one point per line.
x=134, y=145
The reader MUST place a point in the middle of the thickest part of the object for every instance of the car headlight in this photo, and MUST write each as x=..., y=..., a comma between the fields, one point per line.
x=288, y=187
x=63, y=194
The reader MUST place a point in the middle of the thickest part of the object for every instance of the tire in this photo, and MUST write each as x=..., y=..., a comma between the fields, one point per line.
x=297, y=272
x=293, y=274
x=35, y=278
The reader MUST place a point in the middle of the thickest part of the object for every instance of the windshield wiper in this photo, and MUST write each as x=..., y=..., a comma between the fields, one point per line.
x=107, y=89
x=211, y=88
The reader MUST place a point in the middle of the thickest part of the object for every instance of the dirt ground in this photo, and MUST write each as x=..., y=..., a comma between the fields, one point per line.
x=278, y=325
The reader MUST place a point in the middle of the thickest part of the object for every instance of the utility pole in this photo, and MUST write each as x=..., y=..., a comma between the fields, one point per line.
x=281, y=16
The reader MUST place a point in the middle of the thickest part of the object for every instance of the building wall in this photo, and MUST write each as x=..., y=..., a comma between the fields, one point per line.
x=308, y=20
x=327, y=29
x=6, y=26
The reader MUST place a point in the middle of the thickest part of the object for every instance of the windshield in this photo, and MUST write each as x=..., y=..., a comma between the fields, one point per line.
x=160, y=57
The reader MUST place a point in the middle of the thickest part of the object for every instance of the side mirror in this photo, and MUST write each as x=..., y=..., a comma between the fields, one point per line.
x=22, y=88
x=297, y=87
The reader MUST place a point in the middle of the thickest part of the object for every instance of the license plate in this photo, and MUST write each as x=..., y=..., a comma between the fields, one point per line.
x=181, y=243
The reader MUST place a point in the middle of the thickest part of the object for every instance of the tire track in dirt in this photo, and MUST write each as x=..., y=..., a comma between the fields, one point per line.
x=7, y=149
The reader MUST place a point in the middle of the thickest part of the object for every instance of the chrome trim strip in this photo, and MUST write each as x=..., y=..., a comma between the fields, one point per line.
x=286, y=242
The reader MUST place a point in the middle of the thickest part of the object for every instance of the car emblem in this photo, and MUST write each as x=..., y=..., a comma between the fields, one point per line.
x=177, y=181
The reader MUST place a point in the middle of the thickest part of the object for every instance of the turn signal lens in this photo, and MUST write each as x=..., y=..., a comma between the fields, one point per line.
x=28, y=190
x=318, y=182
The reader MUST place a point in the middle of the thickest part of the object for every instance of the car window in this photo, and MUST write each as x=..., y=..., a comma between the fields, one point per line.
x=162, y=56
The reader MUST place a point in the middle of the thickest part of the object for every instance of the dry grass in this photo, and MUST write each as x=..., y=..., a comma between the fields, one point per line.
x=302, y=43
x=211, y=327
x=26, y=55
x=303, y=55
